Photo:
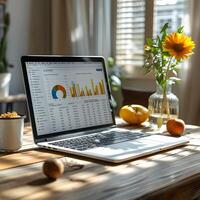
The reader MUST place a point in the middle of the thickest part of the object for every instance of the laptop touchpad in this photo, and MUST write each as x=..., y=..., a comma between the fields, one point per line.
x=147, y=144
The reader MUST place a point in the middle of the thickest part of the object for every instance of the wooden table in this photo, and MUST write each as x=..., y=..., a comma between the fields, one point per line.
x=169, y=175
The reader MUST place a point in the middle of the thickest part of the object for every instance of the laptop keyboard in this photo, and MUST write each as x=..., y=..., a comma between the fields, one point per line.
x=98, y=140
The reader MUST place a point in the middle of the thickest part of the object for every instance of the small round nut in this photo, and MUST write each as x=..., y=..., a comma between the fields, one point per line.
x=53, y=168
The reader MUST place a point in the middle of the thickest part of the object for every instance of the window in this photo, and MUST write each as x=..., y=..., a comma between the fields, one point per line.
x=130, y=32
x=171, y=11
x=134, y=24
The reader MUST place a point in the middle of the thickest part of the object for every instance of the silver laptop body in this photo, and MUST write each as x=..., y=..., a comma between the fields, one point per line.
x=70, y=108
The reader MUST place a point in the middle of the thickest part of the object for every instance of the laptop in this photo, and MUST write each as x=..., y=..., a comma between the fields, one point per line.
x=70, y=109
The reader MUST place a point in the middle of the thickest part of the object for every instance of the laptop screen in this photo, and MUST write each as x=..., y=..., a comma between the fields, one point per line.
x=68, y=95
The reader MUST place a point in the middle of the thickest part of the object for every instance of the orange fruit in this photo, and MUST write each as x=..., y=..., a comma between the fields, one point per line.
x=134, y=114
x=175, y=127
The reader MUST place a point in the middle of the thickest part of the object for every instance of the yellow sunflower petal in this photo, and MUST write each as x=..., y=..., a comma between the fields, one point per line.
x=178, y=45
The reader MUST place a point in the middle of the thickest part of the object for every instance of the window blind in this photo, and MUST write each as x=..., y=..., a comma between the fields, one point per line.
x=172, y=11
x=130, y=26
x=130, y=32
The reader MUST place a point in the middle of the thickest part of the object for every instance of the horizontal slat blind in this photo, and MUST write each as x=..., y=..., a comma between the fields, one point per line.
x=130, y=26
x=172, y=11
x=130, y=32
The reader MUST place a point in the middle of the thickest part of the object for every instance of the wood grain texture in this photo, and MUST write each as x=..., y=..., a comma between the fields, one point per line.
x=169, y=175
x=26, y=157
x=28, y=154
x=187, y=189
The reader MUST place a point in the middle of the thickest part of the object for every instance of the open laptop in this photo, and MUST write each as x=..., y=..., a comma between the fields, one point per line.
x=70, y=108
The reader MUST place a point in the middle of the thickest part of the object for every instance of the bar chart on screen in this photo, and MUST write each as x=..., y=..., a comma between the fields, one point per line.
x=87, y=90
x=68, y=96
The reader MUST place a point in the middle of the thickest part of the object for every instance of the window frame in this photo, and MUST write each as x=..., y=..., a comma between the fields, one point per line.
x=137, y=72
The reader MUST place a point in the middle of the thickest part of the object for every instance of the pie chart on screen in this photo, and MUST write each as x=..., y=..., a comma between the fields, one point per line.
x=58, y=92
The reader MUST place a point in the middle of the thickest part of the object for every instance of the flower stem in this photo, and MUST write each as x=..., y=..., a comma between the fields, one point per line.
x=165, y=102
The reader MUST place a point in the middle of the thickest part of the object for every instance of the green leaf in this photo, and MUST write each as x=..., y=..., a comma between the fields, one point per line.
x=149, y=41
x=164, y=28
x=180, y=29
x=115, y=81
x=159, y=42
x=115, y=88
x=110, y=62
x=3, y=43
x=7, y=19
x=113, y=102
x=159, y=61
x=159, y=78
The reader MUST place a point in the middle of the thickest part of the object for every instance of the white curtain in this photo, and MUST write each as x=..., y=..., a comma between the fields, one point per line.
x=81, y=27
x=191, y=97
x=102, y=28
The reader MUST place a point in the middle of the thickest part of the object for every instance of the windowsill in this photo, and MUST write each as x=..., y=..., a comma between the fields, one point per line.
x=134, y=78
x=136, y=73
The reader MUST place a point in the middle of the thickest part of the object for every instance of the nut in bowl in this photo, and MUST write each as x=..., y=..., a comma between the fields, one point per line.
x=11, y=131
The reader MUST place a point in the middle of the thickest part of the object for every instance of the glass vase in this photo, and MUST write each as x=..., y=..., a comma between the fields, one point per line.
x=162, y=106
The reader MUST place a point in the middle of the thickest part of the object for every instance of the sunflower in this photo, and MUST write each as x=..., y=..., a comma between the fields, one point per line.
x=178, y=45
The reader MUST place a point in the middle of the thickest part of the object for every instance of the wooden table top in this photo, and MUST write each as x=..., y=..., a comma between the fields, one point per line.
x=173, y=174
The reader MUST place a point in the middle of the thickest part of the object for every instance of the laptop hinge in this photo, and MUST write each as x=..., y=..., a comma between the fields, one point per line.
x=69, y=135
x=40, y=140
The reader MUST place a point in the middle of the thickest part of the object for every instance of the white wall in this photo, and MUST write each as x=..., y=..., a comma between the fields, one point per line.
x=28, y=34
x=18, y=38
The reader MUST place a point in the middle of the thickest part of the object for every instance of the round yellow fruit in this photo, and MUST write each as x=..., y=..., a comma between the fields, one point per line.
x=134, y=114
